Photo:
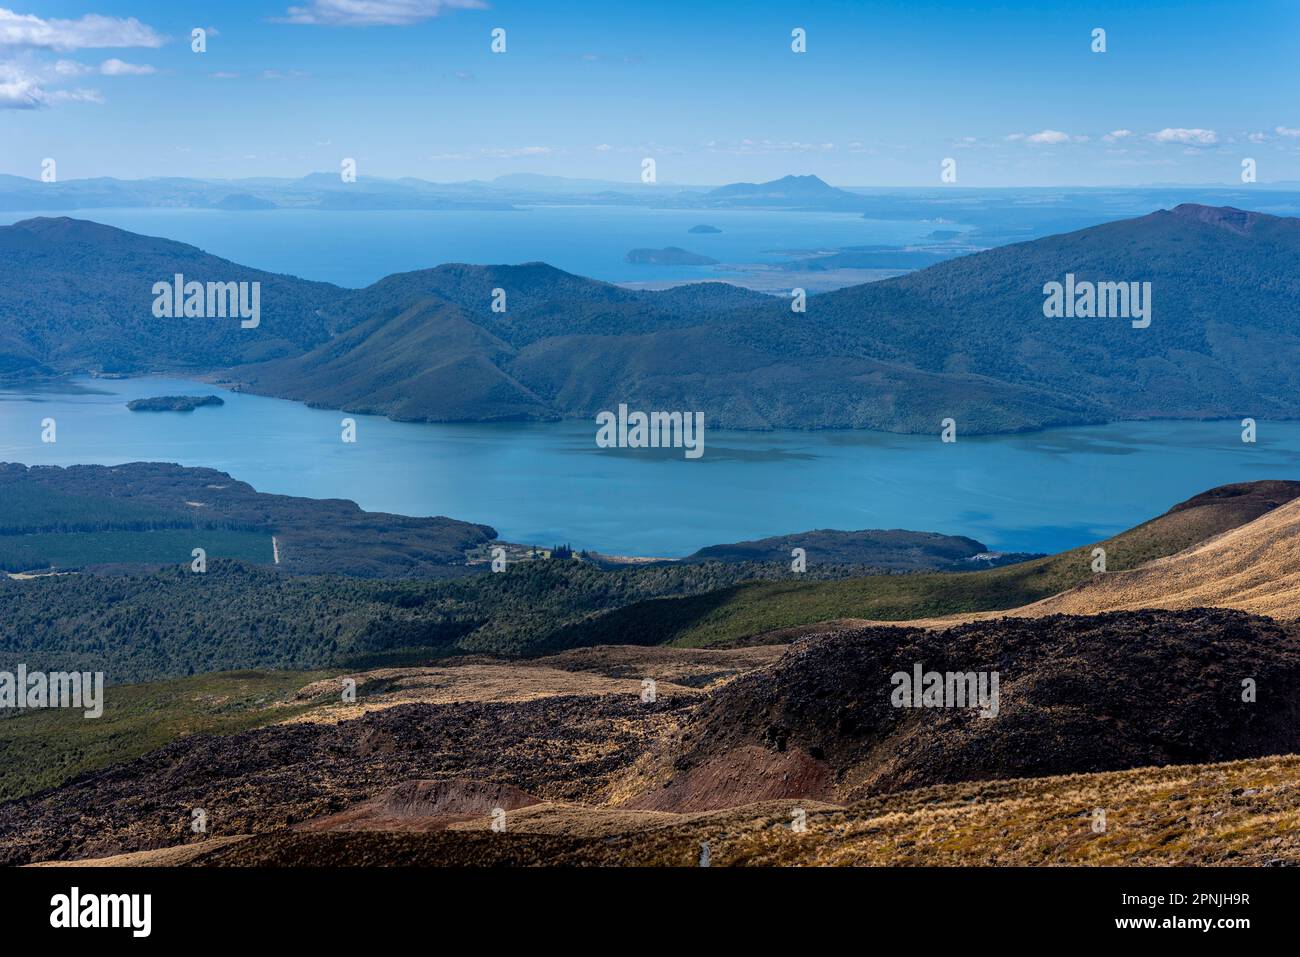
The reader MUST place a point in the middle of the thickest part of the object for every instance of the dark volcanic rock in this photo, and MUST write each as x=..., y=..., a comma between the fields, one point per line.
x=269, y=779
x=1076, y=694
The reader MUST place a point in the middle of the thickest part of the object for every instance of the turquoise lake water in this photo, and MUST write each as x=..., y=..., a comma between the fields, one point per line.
x=548, y=483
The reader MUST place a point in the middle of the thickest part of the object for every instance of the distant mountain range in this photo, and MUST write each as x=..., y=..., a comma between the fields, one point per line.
x=997, y=215
x=966, y=338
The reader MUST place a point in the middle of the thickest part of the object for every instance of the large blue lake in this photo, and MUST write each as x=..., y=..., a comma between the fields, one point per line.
x=356, y=248
x=548, y=483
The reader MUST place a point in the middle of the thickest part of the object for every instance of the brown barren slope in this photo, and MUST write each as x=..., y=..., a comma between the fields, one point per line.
x=1253, y=568
x=1243, y=813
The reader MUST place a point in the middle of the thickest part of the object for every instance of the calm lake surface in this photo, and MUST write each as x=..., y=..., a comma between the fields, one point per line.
x=355, y=249
x=548, y=483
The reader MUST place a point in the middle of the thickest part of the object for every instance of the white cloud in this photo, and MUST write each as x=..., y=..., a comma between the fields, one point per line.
x=116, y=67
x=1114, y=136
x=1045, y=138
x=369, y=13
x=90, y=31
x=1192, y=137
x=1286, y=131
x=18, y=90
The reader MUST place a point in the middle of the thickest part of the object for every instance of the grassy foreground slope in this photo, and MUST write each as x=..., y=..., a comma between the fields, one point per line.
x=1239, y=813
x=1253, y=568
x=749, y=610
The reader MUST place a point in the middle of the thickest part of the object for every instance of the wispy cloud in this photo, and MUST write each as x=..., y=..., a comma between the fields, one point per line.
x=90, y=31
x=371, y=13
x=74, y=96
x=1190, y=137
x=1046, y=138
x=116, y=67
x=110, y=67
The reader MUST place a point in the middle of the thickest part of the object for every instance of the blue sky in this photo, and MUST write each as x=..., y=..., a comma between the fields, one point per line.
x=711, y=90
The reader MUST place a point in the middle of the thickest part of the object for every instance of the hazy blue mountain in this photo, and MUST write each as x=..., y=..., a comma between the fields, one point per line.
x=786, y=191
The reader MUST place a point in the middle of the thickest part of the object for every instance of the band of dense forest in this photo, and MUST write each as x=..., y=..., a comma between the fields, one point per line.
x=174, y=622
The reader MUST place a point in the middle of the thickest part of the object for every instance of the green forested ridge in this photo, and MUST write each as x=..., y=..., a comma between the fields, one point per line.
x=138, y=627
x=965, y=338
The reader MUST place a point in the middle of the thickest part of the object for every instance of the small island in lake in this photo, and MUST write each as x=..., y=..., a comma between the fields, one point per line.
x=669, y=256
x=704, y=229
x=174, y=403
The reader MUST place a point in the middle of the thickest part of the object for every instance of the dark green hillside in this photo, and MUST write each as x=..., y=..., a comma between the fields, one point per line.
x=542, y=301
x=157, y=513
x=174, y=403
x=905, y=551
x=139, y=627
x=1224, y=339
x=429, y=363
x=76, y=296
x=965, y=338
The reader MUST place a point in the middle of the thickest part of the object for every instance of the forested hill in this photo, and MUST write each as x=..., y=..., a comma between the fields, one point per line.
x=77, y=296
x=154, y=513
x=966, y=338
